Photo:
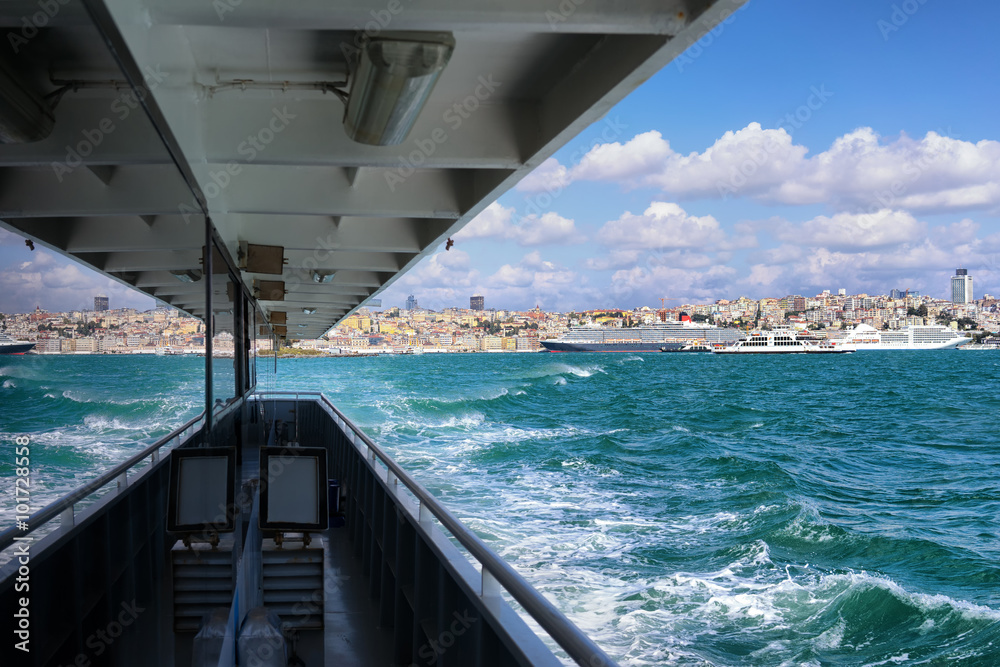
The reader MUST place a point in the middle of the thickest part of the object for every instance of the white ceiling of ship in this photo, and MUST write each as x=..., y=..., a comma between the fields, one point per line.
x=242, y=119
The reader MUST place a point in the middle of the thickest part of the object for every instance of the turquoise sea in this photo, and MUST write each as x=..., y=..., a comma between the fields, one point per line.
x=682, y=509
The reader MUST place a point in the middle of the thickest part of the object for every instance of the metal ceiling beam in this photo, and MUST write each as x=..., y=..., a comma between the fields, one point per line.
x=134, y=190
x=266, y=189
x=92, y=131
x=593, y=16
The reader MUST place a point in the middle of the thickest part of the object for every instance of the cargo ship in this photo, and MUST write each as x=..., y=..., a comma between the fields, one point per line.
x=659, y=337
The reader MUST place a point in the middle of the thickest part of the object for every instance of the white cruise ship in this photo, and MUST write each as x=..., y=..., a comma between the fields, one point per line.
x=913, y=337
x=658, y=337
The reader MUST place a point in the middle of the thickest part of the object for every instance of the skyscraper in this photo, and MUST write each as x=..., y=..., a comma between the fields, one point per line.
x=476, y=302
x=411, y=302
x=961, y=287
x=101, y=302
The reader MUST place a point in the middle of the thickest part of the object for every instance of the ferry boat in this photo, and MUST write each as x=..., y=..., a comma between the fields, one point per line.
x=657, y=337
x=914, y=337
x=9, y=345
x=269, y=168
x=779, y=341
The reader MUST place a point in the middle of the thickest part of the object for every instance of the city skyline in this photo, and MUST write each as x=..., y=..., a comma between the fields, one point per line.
x=782, y=153
x=476, y=302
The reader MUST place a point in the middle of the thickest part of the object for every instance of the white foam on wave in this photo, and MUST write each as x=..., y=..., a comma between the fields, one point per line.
x=76, y=397
x=894, y=660
x=8, y=384
x=925, y=602
x=102, y=424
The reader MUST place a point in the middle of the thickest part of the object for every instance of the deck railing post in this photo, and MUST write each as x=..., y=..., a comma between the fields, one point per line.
x=123, y=481
x=425, y=515
x=491, y=587
x=66, y=518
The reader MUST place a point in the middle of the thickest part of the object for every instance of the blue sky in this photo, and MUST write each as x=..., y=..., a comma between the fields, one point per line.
x=798, y=147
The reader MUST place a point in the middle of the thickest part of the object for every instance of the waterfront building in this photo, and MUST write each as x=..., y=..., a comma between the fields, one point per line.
x=527, y=344
x=961, y=287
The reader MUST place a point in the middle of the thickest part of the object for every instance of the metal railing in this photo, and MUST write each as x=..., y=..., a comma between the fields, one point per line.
x=496, y=572
x=64, y=507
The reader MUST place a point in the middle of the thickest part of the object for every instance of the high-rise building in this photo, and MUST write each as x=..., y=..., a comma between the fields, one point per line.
x=896, y=294
x=476, y=302
x=411, y=302
x=842, y=292
x=101, y=302
x=961, y=287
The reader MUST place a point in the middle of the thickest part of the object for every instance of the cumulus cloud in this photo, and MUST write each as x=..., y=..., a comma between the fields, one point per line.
x=854, y=230
x=497, y=221
x=550, y=176
x=537, y=281
x=662, y=225
x=57, y=284
x=549, y=228
x=452, y=268
x=860, y=171
x=493, y=221
x=645, y=284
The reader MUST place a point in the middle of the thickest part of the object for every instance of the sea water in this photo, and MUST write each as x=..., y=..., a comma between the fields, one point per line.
x=683, y=509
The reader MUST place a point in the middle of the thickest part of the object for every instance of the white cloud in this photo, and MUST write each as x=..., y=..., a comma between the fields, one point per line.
x=58, y=284
x=646, y=284
x=549, y=176
x=452, y=268
x=549, y=228
x=860, y=171
x=537, y=281
x=497, y=221
x=854, y=230
x=631, y=162
x=662, y=225
x=763, y=275
x=493, y=221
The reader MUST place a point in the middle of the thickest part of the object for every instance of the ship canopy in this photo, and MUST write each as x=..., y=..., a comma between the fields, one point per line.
x=330, y=145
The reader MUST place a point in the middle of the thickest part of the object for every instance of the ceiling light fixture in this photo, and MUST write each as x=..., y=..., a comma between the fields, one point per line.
x=187, y=275
x=392, y=81
x=323, y=276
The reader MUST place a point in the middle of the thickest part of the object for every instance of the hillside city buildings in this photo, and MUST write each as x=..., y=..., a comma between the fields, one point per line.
x=476, y=329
